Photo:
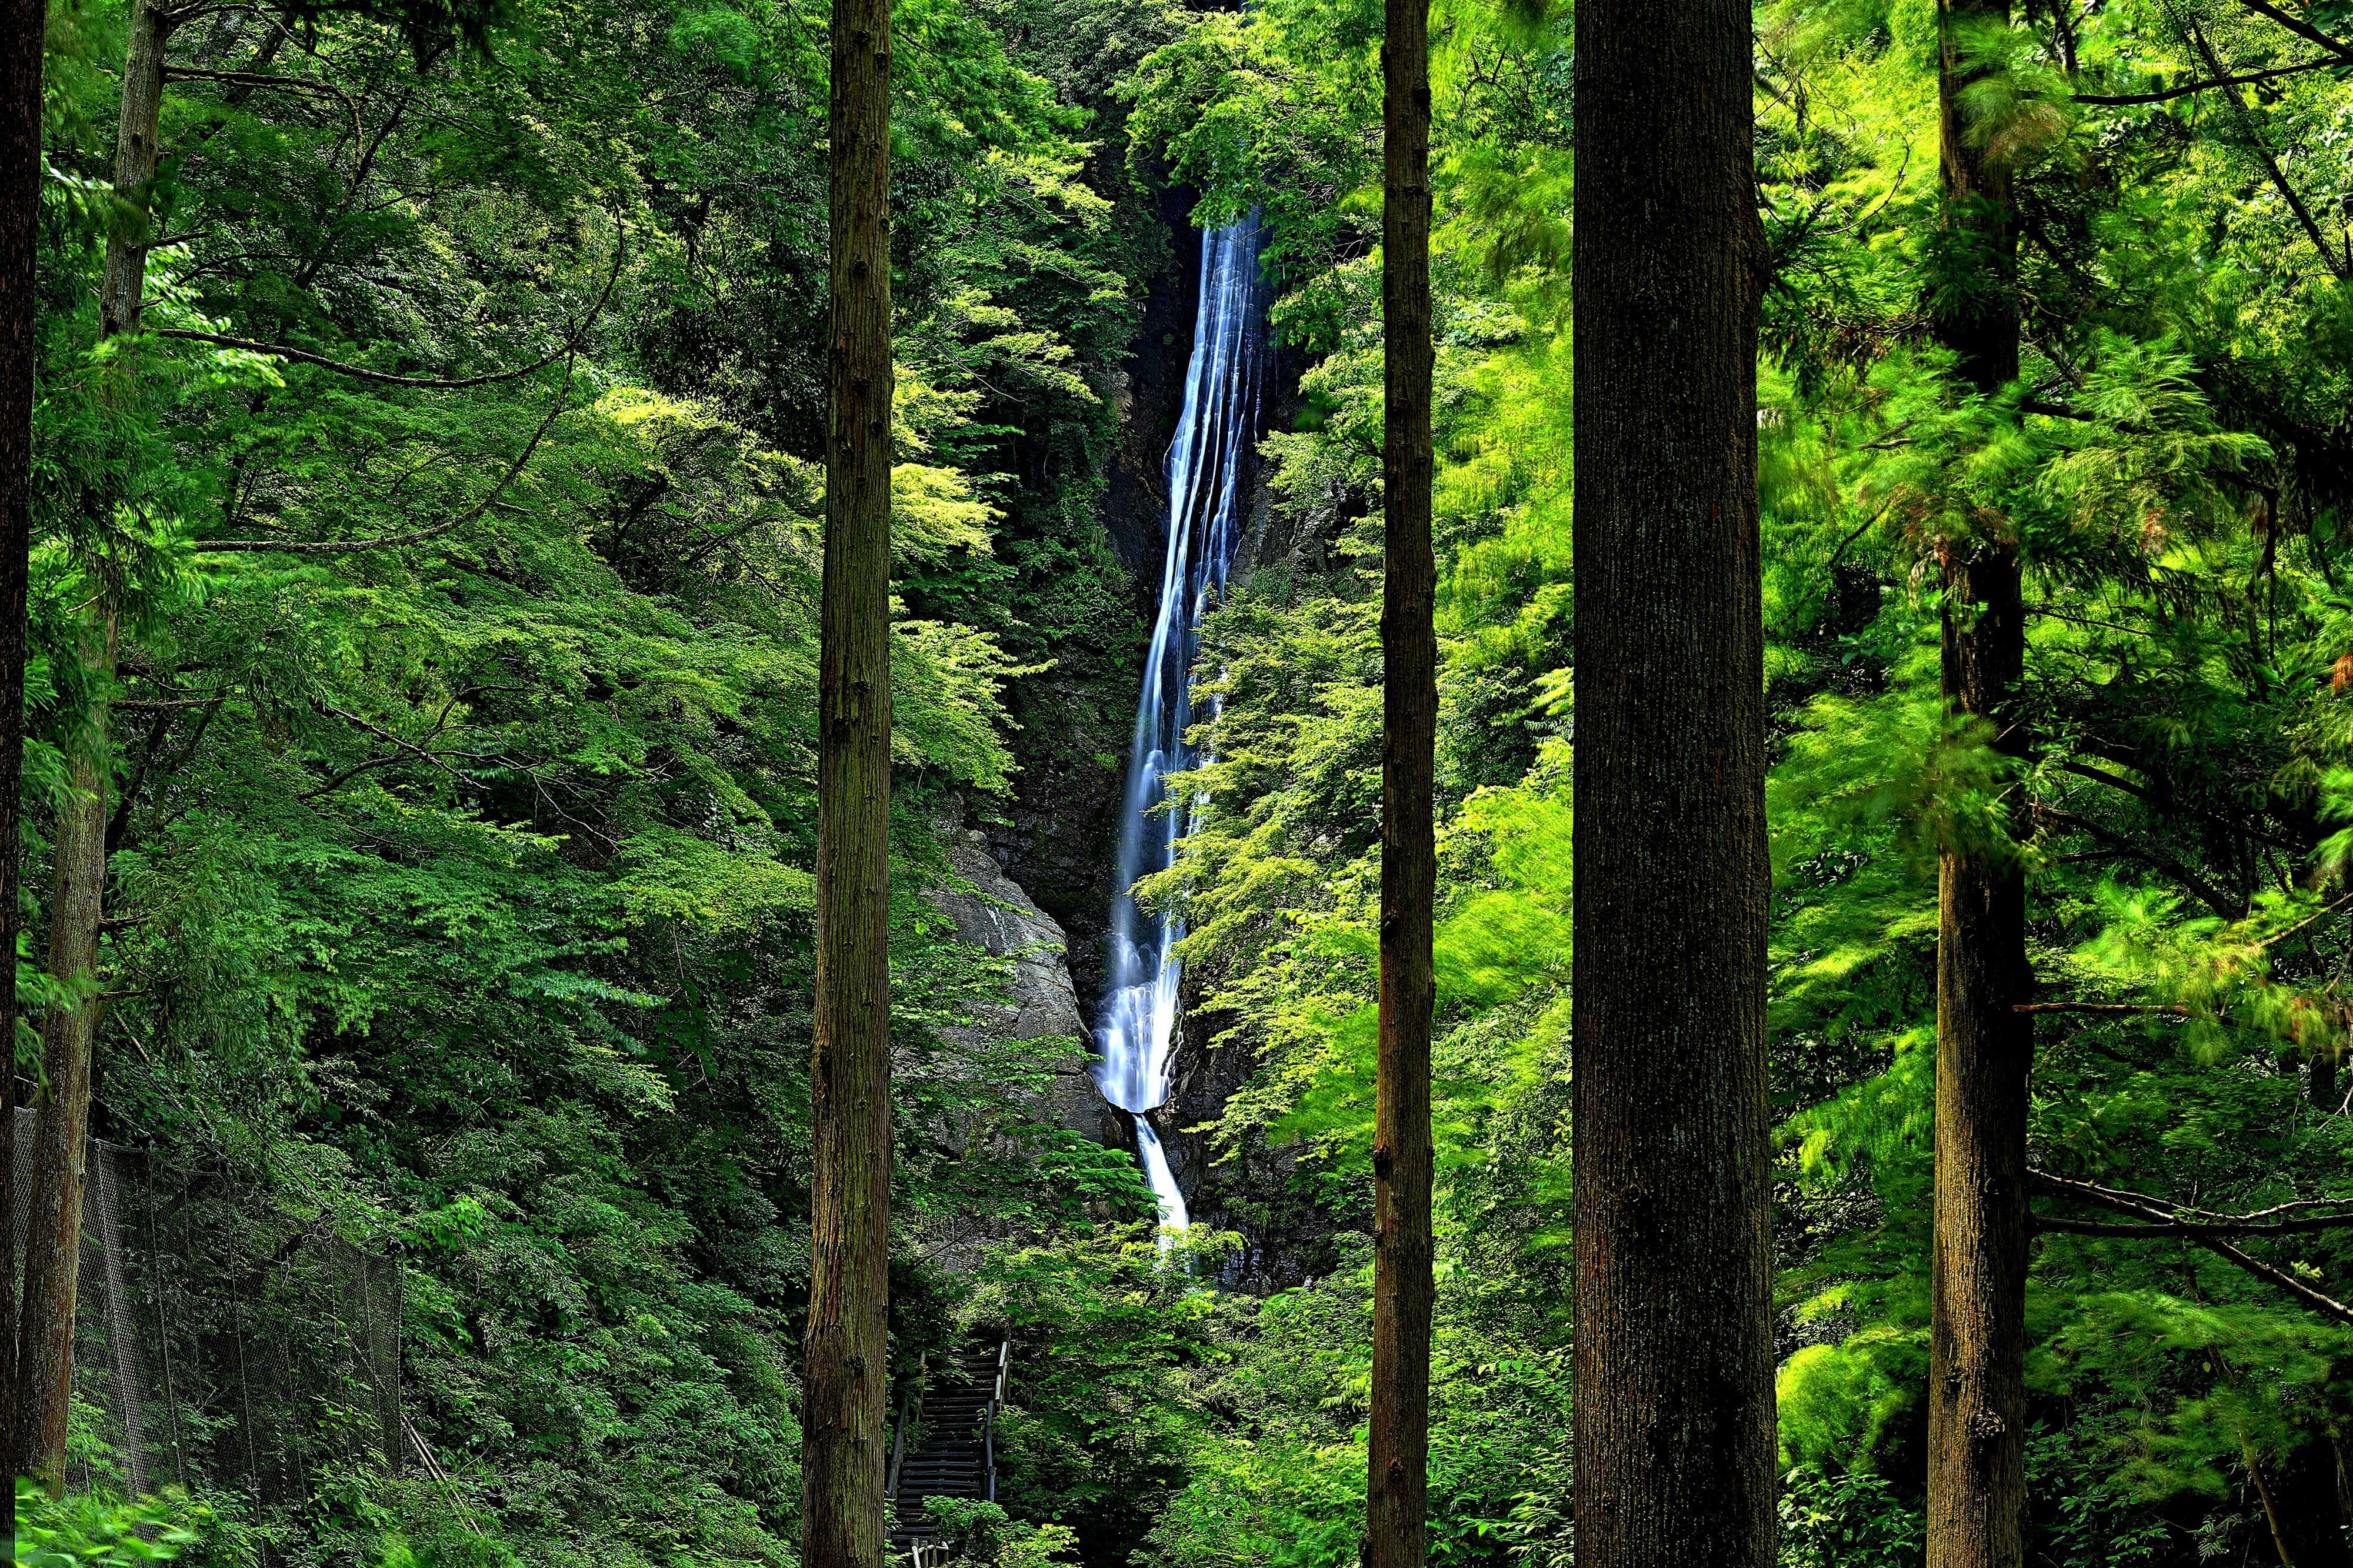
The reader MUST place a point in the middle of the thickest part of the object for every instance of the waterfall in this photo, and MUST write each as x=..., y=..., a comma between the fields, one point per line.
x=1209, y=477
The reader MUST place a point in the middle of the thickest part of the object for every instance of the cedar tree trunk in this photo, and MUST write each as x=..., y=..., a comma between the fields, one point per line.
x=1397, y=1484
x=23, y=25
x=53, y=1240
x=1977, y=1382
x=1674, y=1358
x=850, y=1073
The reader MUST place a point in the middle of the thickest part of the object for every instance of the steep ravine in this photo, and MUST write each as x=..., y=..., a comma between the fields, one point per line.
x=1044, y=865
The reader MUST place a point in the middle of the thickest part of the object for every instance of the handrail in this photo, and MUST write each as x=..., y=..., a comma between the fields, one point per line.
x=933, y=1554
x=989, y=1421
x=910, y=1410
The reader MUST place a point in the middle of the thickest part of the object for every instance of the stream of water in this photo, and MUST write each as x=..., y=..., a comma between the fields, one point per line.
x=1208, y=473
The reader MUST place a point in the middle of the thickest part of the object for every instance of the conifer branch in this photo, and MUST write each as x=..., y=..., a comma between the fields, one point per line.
x=388, y=540
x=573, y=338
x=2149, y=797
x=2212, y=896
x=2308, y=923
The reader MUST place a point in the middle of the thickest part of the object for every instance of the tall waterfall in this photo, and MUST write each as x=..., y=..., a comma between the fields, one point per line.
x=1209, y=476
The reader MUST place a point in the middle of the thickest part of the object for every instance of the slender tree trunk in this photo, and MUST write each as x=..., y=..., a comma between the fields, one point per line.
x=2301, y=1505
x=1398, y=1485
x=1673, y=1357
x=849, y=1075
x=23, y=25
x=61, y=1141
x=53, y=1241
x=1985, y=1048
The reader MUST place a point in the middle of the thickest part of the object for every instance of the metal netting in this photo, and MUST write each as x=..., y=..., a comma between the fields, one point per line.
x=218, y=1341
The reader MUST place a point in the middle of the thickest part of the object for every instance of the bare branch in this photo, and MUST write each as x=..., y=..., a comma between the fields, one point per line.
x=2206, y=1235
x=2167, y=94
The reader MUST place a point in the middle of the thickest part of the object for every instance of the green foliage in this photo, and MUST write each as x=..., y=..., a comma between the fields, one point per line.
x=981, y=1532
x=463, y=741
x=1831, y=1520
x=2170, y=466
x=95, y=1532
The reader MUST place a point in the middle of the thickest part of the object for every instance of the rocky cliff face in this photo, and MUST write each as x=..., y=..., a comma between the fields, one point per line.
x=993, y=913
x=1248, y=1186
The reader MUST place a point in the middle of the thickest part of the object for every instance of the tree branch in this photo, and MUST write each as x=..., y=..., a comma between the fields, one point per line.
x=2153, y=1218
x=2185, y=88
x=2252, y=133
x=2308, y=923
x=2301, y=28
x=2164, y=807
x=2213, y=897
x=251, y=79
x=388, y=541
x=571, y=345
x=2210, y=1236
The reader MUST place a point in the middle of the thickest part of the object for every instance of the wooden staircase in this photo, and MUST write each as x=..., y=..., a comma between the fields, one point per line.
x=951, y=1419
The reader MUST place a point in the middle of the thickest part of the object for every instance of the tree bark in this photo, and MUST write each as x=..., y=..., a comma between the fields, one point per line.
x=849, y=1074
x=23, y=25
x=1397, y=1484
x=1674, y=1351
x=1985, y=1046
x=53, y=1241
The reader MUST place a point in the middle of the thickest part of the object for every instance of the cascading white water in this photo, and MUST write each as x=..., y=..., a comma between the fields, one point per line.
x=1209, y=472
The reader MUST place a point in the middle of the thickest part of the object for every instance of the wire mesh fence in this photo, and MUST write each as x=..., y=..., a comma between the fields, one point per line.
x=220, y=1344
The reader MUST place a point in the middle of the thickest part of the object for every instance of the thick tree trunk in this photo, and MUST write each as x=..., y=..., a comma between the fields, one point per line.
x=1985, y=1048
x=53, y=1242
x=1673, y=1359
x=849, y=1075
x=1398, y=1485
x=23, y=24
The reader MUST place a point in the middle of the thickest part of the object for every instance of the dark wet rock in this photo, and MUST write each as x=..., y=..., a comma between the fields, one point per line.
x=1246, y=1187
